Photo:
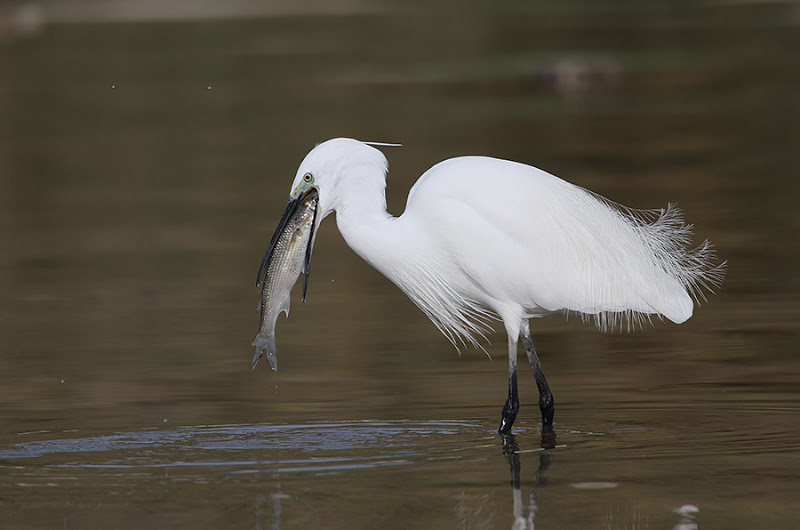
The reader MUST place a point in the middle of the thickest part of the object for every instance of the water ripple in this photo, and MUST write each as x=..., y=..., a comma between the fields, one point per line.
x=315, y=448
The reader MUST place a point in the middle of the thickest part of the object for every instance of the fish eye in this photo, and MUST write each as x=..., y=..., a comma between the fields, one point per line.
x=308, y=177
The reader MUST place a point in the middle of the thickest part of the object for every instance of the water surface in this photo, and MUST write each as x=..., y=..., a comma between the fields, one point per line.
x=144, y=165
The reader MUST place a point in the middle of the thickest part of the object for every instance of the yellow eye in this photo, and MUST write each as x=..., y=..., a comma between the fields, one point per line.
x=307, y=177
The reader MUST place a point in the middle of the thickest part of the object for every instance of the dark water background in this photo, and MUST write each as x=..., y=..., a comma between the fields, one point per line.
x=145, y=158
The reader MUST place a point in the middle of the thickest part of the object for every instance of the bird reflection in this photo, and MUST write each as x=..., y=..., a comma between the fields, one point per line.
x=525, y=512
x=273, y=499
x=687, y=513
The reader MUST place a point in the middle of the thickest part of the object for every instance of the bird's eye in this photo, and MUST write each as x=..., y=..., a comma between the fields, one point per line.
x=307, y=177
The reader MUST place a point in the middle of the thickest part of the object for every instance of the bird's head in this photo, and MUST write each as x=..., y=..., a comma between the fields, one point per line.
x=339, y=173
x=337, y=169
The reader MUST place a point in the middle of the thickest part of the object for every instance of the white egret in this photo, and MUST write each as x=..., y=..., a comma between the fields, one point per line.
x=484, y=239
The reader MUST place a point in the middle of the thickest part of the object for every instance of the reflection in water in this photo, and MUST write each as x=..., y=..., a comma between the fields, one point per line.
x=511, y=451
x=548, y=437
x=686, y=521
x=524, y=510
x=273, y=499
x=128, y=218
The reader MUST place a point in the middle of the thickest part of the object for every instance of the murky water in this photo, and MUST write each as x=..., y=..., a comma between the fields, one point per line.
x=144, y=165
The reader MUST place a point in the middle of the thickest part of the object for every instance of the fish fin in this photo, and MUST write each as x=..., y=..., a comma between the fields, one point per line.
x=265, y=343
x=256, y=357
x=260, y=299
x=286, y=303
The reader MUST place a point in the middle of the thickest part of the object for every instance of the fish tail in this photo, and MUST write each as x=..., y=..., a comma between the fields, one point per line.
x=264, y=342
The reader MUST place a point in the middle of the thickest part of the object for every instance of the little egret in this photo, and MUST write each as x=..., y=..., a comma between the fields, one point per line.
x=484, y=239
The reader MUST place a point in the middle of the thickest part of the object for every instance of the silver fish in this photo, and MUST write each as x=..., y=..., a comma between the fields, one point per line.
x=288, y=254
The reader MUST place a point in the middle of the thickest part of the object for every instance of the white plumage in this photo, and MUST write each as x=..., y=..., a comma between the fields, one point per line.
x=483, y=238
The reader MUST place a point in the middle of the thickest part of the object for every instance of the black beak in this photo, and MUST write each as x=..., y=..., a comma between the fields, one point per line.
x=288, y=213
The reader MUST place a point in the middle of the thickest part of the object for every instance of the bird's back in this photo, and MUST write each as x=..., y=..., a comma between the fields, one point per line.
x=524, y=238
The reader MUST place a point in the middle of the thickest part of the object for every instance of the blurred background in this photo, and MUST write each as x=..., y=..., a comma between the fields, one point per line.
x=146, y=153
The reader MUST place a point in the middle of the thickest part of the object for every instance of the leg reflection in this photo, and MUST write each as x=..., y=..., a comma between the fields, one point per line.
x=275, y=500
x=525, y=513
x=548, y=437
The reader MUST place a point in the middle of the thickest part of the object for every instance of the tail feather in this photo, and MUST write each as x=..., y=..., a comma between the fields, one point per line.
x=689, y=272
x=265, y=343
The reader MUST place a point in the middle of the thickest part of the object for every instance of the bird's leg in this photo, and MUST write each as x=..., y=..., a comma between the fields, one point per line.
x=511, y=407
x=546, y=402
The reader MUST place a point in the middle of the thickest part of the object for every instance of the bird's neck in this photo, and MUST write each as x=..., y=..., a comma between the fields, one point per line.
x=365, y=224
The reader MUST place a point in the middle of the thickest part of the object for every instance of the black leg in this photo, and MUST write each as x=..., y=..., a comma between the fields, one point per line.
x=511, y=407
x=546, y=402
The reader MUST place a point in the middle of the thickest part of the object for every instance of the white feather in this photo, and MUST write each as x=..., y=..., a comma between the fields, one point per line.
x=483, y=238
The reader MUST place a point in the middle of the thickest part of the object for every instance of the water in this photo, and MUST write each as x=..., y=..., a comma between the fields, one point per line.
x=136, y=203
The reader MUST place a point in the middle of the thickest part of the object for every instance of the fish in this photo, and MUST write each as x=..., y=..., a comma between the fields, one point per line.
x=288, y=254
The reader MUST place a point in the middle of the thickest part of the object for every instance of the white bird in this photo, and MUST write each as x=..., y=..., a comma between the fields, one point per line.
x=484, y=239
